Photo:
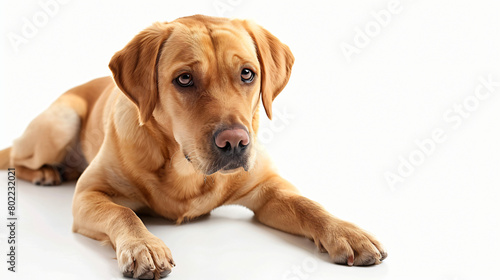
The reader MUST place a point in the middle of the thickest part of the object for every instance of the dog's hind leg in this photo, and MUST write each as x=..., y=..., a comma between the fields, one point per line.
x=40, y=153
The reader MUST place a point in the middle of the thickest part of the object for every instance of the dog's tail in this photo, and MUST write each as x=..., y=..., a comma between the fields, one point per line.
x=5, y=158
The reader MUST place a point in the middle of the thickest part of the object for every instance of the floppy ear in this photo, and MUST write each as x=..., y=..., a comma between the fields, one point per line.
x=275, y=60
x=135, y=68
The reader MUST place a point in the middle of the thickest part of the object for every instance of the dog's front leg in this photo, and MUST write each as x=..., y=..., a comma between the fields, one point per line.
x=278, y=204
x=140, y=254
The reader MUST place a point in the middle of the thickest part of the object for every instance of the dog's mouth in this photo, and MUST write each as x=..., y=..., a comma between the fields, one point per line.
x=232, y=167
x=222, y=165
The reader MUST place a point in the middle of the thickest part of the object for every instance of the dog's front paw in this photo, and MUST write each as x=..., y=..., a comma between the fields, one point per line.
x=144, y=258
x=348, y=244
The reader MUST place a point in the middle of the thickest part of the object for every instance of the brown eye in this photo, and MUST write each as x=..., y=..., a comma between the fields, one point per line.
x=247, y=75
x=185, y=80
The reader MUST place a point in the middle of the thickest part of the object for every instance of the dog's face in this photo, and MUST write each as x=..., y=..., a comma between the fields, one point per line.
x=200, y=79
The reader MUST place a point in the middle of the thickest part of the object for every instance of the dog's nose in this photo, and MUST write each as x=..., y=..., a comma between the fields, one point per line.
x=232, y=140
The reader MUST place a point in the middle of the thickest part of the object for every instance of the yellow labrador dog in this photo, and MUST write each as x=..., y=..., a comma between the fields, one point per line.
x=174, y=134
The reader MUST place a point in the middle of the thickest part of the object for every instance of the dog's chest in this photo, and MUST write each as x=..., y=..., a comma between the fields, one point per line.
x=186, y=198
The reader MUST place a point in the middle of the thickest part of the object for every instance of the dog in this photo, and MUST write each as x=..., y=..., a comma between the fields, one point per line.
x=173, y=134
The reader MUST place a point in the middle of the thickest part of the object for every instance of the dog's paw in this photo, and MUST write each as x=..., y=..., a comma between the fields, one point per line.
x=348, y=244
x=144, y=258
x=47, y=175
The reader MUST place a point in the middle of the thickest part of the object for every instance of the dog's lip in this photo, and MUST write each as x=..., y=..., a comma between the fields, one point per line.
x=230, y=166
x=227, y=169
x=232, y=170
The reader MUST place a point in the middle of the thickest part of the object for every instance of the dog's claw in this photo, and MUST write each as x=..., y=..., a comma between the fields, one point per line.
x=350, y=261
x=147, y=275
x=128, y=274
x=165, y=273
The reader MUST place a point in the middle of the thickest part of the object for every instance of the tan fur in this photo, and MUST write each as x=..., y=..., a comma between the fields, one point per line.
x=138, y=132
x=5, y=158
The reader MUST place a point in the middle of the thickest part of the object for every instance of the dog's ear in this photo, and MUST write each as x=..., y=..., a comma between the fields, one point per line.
x=276, y=61
x=135, y=68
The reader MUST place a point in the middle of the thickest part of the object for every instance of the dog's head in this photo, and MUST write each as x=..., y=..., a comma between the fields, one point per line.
x=200, y=79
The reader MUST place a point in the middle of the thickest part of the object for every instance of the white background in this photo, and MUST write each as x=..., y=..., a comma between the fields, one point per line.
x=349, y=123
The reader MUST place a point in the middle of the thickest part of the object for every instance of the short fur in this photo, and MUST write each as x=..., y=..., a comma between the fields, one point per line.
x=144, y=145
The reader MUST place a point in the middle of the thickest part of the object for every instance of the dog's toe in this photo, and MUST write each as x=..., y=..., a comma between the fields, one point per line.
x=144, y=258
x=350, y=245
x=47, y=175
x=147, y=275
x=165, y=273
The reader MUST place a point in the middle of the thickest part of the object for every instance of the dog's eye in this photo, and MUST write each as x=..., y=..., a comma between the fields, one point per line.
x=247, y=75
x=185, y=80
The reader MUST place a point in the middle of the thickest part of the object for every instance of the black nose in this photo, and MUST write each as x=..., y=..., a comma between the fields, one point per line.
x=232, y=141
